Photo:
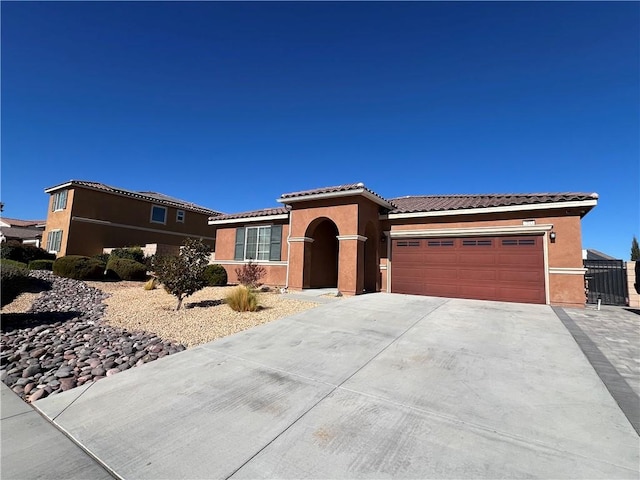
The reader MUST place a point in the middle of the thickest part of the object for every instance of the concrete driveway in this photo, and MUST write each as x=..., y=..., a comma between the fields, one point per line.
x=375, y=386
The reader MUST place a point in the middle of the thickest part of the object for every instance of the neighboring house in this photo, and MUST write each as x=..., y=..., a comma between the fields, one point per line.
x=591, y=254
x=86, y=217
x=28, y=232
x=506, y=247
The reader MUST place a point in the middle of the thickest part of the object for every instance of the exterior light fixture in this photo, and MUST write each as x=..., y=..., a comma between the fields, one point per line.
x=552, y=237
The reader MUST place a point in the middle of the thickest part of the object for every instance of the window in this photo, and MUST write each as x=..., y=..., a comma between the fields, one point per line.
x=522, y=241
x=477, y=243
x=158, y=214
x=59, y=201
x=408, y=243
x=54, y=240
x=440, y=243
x=180, y=216
x=262, y=243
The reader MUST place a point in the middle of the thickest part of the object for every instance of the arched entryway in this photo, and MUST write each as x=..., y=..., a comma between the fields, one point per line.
x=371, y=258
x=321, y=255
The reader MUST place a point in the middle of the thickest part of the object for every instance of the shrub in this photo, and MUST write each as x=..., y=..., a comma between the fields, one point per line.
x=184, y=275
x=215, y=275
x=14, y=280
x=5, y=262
x=130, y=253
x=14, y=250
x=41, y=265
x=103, y=257
x=126, y=269
x=79, y=267
x=250, y=274
x=242, y=299
x=151, y=284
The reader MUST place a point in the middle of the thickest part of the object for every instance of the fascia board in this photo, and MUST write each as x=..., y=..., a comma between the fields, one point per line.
x=281, y=216
x=349, y=193
x=502, y=209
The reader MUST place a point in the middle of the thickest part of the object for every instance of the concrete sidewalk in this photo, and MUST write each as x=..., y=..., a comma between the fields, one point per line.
x=33, y=448
x=373, y=386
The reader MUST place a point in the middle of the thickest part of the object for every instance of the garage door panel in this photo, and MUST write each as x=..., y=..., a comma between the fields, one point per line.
x=486, y=268
x=477, y=274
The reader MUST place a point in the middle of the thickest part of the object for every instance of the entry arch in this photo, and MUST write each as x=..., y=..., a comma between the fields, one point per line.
x=321, y=254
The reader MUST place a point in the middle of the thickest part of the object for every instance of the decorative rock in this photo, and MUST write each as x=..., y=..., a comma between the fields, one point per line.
x=71, y=348
x=31, y=370
x=39, y=393
x=67, y=384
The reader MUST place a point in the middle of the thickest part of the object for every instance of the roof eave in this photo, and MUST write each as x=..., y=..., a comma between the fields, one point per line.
x=327, y=195
x=587, y=204
x=259, y=218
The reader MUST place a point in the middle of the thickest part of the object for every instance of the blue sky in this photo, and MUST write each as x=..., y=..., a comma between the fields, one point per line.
x=230, y=104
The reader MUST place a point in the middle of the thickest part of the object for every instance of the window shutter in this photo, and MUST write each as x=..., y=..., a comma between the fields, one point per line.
x=276, y=242
x=239, y=252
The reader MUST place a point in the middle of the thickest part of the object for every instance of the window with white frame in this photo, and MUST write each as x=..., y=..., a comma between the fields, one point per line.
x=54, y=241
x=180, y=216
x=259, y=243
x=158, y=214
x=59, y=201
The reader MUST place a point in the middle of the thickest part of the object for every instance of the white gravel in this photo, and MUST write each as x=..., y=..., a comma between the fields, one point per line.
x=203, y=318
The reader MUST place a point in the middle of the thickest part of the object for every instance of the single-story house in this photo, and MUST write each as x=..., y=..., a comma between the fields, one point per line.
x=505, y=247
x=28, y=232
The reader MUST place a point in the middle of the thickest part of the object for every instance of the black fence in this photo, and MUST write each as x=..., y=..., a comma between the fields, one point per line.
x=606, y=280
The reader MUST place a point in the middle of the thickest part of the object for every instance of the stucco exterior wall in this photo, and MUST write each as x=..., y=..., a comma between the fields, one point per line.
x=59, y=220
x=94, y=220
x=225, y=249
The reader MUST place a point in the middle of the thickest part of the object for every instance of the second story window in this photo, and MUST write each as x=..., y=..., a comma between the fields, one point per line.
x=158, y=214
x=59, y=201
x=180, y=216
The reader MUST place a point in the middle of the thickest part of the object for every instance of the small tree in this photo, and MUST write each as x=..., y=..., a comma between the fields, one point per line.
x=250, y=274
x=184, y=275
x=635, y=250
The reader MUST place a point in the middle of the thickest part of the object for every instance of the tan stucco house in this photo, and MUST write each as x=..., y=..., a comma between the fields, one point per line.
x=84, y=218
x=507, y=247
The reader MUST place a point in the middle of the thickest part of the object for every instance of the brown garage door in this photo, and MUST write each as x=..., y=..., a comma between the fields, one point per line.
x=509, y=269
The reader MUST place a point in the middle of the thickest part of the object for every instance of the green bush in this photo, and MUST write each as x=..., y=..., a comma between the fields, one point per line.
x=14, y=279
x=130, y=253
x=215, y=275
x=5, y=261
x=242, y=299
x=126, y=269
x=79, y=267
x=14, y=250
x=103, y=257
x=41, y=265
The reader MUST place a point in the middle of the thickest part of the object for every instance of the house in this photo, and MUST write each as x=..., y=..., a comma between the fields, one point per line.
x=28, y=232
x=85, y=218
x=506, y=247
x=591, y=254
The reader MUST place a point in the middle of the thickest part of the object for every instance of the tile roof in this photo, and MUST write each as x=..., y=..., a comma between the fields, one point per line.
x=335, y=189
x=253, y=213
x=435, y=203
x=15, y=222
x=21, y=232
x=148, y=196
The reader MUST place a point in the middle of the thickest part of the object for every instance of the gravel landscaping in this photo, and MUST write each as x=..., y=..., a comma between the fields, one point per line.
x=77, y=332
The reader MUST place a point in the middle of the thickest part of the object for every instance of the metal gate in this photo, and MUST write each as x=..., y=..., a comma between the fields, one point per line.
x=606, y=280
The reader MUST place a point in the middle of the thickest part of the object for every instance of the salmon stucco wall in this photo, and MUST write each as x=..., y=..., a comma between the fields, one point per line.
x=94, y=220
x=59, y=220
x=276, y=272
